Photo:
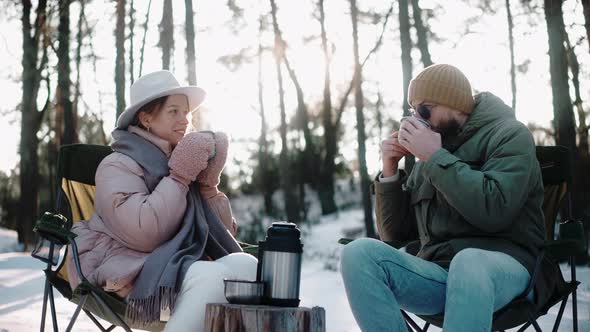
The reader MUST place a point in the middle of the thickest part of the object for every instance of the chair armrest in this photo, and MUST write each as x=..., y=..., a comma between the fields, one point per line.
x=53, y=231
x=54, y=227
x=74, y=248
x=564, y=248
x=572, y=240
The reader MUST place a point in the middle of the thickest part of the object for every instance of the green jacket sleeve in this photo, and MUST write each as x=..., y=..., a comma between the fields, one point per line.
x=490, y=198
x=395, y=221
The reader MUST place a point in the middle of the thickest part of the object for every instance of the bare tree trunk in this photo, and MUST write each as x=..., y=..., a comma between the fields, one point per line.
x=302, y=123
x=308, y=160
x=291, y=208
x=328, y=167
x=52, y=146
x=574, y=66
x=120, y=59
x=64, y=103
x=65, y=125
x=581, y=185
x=263, y=154
x=511, y=44
x=421, y=33
x=102, y=139
x=586, y=6
x=331, y=138
x=190, y=43
x=406, y=55
x=166, y=34
x=79, y=41
x=303, y=161
x=31, y=118
x=375, y=48
x=302, y=114
x=191, y=62
x=145, y=29
x=379, y=113
x=131, y=38
x=562, y=103
x=360, y=125
x=565, y=133
x=88, y=37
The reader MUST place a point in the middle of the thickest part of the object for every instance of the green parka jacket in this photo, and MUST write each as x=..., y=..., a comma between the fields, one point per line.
x=483, y=189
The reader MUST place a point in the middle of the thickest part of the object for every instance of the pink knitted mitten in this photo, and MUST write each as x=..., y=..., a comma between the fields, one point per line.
x=211, y=175
x=190, y=156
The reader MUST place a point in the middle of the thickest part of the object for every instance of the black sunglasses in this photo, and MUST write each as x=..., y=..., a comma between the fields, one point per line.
x=424, y=111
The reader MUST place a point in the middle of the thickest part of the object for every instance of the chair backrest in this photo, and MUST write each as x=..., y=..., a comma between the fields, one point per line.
x=77, y=164
x=556, y=172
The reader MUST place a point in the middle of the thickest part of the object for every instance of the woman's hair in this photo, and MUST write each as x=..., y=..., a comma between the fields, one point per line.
x=153, y=107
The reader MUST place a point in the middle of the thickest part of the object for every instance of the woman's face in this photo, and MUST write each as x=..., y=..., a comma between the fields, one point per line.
x=170, y=121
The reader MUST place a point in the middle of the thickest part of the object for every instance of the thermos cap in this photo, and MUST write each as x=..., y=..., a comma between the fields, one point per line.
x=283, y=236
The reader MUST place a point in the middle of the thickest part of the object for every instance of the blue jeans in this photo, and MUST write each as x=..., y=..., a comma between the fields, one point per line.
x=380, y=280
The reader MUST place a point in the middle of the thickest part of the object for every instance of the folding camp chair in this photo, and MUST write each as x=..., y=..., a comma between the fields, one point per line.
x=77, y=166
x=556, y=172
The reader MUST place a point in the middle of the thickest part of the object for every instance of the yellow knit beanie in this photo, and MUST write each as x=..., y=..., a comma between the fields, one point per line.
x=442, y=84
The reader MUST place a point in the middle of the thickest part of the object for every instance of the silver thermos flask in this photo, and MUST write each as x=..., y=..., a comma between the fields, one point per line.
x=279, y=264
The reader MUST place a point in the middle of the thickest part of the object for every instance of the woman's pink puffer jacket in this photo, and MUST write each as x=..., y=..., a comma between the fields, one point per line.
x=129, y=222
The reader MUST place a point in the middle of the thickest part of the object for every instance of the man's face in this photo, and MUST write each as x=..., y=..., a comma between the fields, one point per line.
x=442, y=119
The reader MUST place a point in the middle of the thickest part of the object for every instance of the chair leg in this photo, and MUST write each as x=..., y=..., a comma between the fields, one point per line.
x=76, y=313
x=533, y=321
x=119, y=320
x=96, y=322
x=110, y=328
x=44, y=310
x=411, y=322
x=575, y=310
x=524, y=327
x=559, y=314
x=48, y=295
x=52, y=306
x=574, y=297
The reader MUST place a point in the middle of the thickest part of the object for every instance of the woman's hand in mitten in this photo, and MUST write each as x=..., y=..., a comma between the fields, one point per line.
x=189, y=157
x=211, y=175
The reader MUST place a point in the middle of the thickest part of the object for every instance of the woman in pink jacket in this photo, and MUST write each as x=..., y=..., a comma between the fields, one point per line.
x=162, y=235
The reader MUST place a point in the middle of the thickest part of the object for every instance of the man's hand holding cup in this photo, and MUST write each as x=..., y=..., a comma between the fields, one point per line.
x=391, y=153
x=417, y=138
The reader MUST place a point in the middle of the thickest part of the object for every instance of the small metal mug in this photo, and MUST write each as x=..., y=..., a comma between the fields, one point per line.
x=424, y=122
x=243, y=291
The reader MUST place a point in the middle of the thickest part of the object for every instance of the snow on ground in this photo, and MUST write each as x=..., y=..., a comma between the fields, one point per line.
x=7, y=240
x=22, y=281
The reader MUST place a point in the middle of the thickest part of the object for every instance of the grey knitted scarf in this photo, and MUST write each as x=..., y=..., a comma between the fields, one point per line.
x=201, y=234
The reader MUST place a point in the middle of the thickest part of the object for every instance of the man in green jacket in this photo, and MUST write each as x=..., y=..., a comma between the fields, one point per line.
x=474, y=200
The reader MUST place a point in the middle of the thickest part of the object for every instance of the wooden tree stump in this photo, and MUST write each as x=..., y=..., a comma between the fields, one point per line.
x=225, y=317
